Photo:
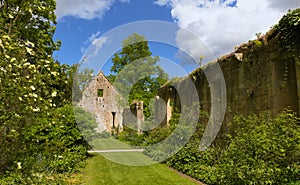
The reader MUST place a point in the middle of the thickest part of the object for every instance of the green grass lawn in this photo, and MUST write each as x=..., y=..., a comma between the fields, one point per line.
x=109, y=168
x=125, y=158
x=109, y=144
x=100, y=171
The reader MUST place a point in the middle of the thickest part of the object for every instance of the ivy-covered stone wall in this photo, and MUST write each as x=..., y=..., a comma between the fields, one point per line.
x=261, y=75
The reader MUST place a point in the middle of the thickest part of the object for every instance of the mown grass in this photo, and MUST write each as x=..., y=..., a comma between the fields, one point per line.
x=109, y=168
x=109, y=144
x=100, y=171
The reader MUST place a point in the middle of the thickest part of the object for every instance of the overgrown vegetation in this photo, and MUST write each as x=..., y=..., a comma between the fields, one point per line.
x=54, y=146
x=40, y=142
x=260, y=150
x=288, y=30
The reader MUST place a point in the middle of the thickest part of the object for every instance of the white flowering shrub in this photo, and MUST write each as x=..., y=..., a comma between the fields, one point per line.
x=32, y=88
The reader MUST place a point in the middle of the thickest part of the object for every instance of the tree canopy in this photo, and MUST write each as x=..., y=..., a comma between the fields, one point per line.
x=34, y=88
x=138, y=74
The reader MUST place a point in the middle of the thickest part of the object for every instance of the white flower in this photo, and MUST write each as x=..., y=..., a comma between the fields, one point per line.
x=32, y=87
x=20, y=98
x=53, y=94
x=19, y=165
x=13, y=59
x=2, y=69
x=36, y=109
x=54, y=73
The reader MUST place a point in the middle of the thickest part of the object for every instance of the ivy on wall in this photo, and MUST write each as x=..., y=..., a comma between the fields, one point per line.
x=288, y=30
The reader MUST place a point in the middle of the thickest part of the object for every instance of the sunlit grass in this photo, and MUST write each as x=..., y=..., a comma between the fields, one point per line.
x=109, y=144
x=100, y=171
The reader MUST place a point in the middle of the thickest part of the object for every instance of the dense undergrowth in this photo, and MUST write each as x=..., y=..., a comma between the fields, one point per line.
x=260, y=150
x=55, y=149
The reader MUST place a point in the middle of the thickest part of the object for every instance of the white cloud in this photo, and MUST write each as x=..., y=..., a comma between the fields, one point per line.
x=284, y=5
x=162, y=2
x=93, y=36
x=98, y=44
x=85, y=9
x=222, y=27
x=191, y=48
x=94, y=43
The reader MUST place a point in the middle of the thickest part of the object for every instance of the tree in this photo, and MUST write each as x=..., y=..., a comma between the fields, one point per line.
x=31, y=82
x=137, y=71
x=38, y=130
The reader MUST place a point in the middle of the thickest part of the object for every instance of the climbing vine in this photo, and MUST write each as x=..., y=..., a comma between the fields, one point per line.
x=288, y=30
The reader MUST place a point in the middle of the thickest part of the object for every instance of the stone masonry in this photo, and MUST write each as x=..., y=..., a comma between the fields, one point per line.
x=100, y=98
x=259, y=77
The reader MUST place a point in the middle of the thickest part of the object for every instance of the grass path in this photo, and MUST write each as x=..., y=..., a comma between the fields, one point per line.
x=102, y=171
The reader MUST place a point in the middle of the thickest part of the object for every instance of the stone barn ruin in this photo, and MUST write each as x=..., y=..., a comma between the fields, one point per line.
x=100, y=98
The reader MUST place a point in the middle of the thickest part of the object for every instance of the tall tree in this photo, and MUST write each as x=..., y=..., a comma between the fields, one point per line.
x=31, y=82
x=137, y=71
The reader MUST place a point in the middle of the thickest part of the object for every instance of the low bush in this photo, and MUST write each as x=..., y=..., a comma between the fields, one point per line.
x=55, y=148
x=262, y=150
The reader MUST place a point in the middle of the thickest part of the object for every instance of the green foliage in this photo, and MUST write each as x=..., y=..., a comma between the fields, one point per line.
x=262, y=150
x=288, y=31
x=30, y=81
x=54, y=145
x=38, y=133
x=87, y=124
x=133, y=48
x=137, y=71
x=131, y=137
x=258, y=43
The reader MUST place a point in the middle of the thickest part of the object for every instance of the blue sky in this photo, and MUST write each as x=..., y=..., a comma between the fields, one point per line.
x=219, y=25
x=74, y=31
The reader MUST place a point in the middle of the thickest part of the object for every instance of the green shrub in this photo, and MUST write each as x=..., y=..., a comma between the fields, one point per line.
x=263, y=150
x=86, y=124
x=56, y=141
x=54, y=146
x=288, y=30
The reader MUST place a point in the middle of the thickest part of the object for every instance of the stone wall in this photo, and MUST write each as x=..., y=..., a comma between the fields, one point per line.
x=259, y=76
x=100, y=99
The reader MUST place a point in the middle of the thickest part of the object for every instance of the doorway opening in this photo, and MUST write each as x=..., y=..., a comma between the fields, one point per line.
x=114, y=118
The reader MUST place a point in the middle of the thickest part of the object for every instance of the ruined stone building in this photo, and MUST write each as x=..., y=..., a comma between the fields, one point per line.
x=100, y=98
